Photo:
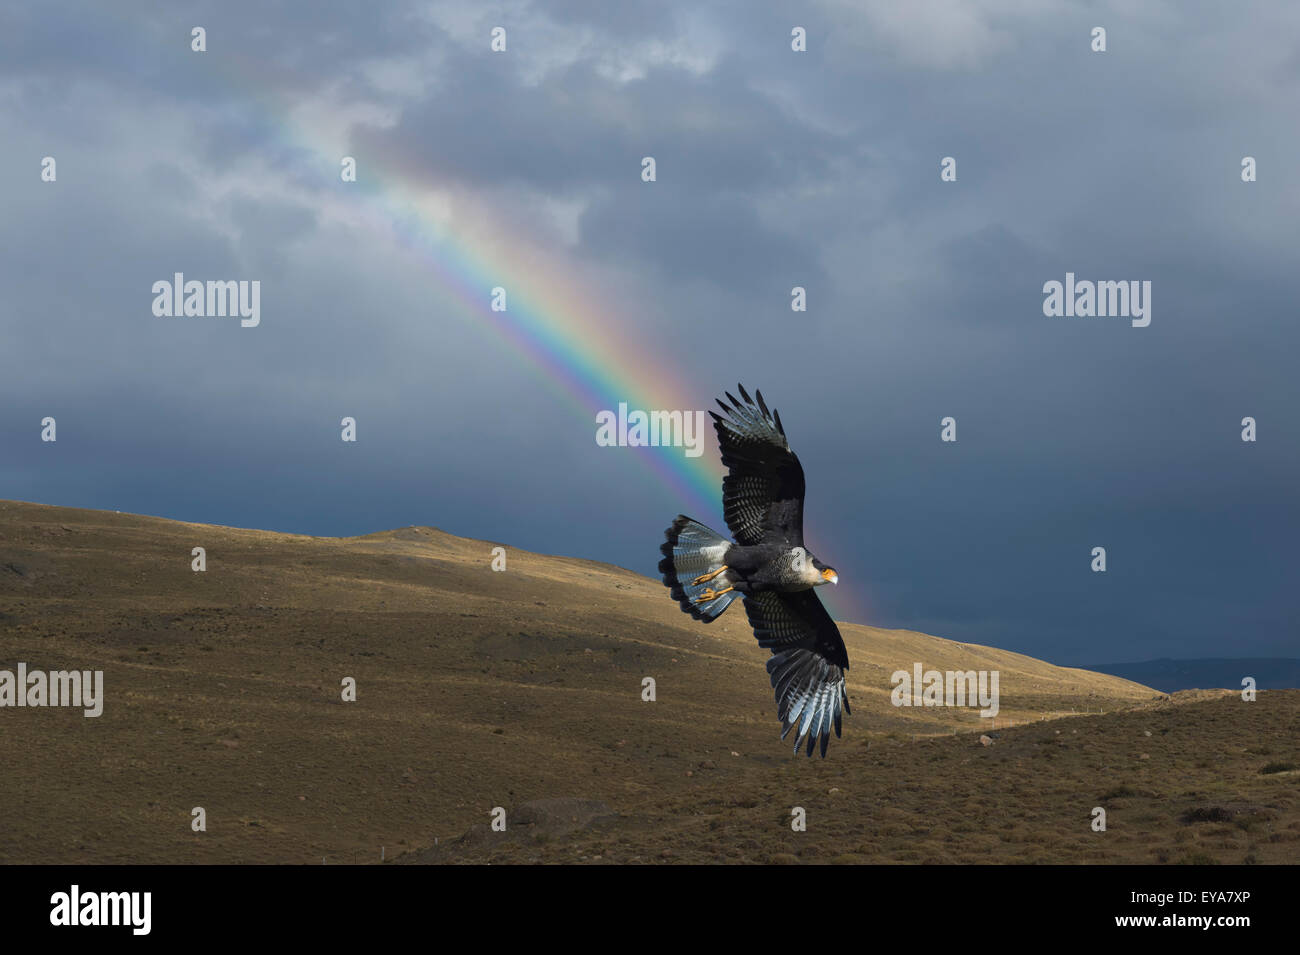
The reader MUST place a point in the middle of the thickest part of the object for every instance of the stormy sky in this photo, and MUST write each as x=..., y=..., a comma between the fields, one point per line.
x=775, y=169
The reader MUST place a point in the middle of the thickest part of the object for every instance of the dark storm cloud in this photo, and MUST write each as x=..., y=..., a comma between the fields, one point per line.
x=775, y=169
x=579, y=128
x=716, y=145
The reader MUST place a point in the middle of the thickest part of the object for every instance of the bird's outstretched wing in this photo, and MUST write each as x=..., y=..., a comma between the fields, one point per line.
x=762, y=495
x=807, y=663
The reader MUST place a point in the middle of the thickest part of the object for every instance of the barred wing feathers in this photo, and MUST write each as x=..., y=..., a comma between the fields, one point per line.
x=762, y=494
x=807, y=663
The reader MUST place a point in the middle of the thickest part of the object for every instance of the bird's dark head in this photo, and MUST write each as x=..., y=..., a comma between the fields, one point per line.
x=828, y=575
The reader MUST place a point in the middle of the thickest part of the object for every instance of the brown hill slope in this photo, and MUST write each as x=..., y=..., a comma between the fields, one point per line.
x=522, y=689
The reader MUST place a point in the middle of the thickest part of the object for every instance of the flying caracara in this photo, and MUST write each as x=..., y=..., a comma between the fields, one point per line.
x=762, y=501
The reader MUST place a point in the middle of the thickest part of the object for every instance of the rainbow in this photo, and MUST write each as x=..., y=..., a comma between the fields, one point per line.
x=558, y=326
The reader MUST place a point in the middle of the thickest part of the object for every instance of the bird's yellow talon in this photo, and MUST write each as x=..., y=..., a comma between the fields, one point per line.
x=705, y=578
x=711, y=594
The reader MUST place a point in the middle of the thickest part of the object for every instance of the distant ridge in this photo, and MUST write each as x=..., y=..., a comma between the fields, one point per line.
x=1169, y=676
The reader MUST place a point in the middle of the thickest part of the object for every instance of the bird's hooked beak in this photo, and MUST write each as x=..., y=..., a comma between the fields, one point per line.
x=831, y=576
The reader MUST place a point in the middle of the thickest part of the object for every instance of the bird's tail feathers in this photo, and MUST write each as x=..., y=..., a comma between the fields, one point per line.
x=690, y=551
